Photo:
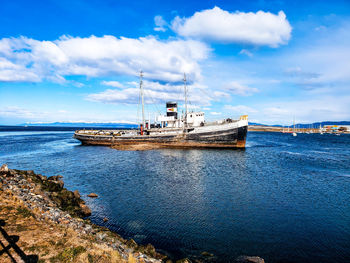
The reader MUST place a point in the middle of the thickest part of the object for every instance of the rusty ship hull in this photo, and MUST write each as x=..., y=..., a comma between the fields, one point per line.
x=230, y=135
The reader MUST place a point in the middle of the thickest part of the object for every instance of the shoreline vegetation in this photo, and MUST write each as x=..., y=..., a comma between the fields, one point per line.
x=41, y=221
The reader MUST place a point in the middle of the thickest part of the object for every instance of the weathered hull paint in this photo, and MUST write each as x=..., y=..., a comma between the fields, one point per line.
x=230, y=138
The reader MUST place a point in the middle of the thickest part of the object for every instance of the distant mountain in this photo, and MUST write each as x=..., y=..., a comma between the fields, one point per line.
x=84, y=124
x=307, y=125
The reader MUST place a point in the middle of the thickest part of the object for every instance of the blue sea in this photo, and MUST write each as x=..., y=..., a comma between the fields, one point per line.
x=283, y=198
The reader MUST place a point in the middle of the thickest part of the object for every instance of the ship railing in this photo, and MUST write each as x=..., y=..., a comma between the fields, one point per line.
x=219, y=122
x=103, y=132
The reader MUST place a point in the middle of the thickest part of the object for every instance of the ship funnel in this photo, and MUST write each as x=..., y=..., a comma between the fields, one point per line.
x=171, y=109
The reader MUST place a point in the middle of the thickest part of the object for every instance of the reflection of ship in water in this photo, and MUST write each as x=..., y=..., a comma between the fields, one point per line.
x=172, y=131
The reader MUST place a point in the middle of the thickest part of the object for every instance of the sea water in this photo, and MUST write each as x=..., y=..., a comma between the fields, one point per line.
x=283, y=198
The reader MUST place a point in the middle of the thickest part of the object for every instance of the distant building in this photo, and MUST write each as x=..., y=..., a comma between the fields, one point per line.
x=336, y=128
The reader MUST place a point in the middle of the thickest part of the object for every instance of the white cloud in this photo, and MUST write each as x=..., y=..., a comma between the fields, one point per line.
x=18, y=112
x=25, y=59
x=221, y=94
x=242, y=109
x=215, y=113
x=160, y=23
x=307, y=110
x=238, y=89
x=299, y=72
x=115, y=84
x=156, y=93
x=260, y=28
x=193, y=107
x=246, y=52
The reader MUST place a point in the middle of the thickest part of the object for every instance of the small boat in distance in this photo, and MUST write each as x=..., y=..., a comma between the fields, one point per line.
x=172, y=131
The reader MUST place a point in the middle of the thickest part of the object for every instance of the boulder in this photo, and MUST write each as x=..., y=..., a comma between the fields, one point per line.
x=76, y=194
x=207, y=254
x=30, y=172
x=150, y=250
x=53, y=186
x=4, y=168
x=184, y=260
x=85, y=210
x=56, y=179
x=131, y=243
x=248, y=259
x=92, y=195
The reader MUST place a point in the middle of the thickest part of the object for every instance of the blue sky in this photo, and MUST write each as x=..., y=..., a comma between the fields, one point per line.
x=79, y=60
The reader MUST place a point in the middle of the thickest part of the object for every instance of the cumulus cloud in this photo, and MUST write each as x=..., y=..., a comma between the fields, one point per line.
x=260, y=28
x=156, y=93
x=115, y=84
x=238, y=89
x=26, y=59
x=160, y=23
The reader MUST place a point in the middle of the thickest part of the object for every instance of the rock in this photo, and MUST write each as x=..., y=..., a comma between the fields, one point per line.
x=248, y=259
x=184, y=260
x=55, y=178
x=85, y=210
x=105, y=219
x=131, y=243
x=4, y=168
x=76, y=194
x=13, y=173
x=37, y=189
x=92, y=195
x=30, y=172
x=206, y=254
x=149, y=250
x=101, y=236
x=52, y=186
x=41, y=177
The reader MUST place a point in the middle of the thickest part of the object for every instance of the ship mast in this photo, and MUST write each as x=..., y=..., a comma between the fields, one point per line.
x=142, y=100
x=185, y=88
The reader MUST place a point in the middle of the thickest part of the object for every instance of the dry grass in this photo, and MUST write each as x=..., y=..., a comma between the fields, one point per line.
x=50, y=242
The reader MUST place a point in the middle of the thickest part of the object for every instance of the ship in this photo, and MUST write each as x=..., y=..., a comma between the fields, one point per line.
x=172, y=131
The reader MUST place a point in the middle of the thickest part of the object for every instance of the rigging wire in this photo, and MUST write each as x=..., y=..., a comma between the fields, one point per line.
x=138, y=110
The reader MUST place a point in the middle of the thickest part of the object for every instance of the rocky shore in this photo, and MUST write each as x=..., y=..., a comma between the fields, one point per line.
x=42, y=221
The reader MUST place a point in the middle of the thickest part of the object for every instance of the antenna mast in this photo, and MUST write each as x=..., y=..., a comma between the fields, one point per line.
x=142, y=100
x=185, y=88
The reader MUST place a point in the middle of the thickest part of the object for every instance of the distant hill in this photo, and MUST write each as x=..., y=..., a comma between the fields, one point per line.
x=307, y=125
x=83, y=124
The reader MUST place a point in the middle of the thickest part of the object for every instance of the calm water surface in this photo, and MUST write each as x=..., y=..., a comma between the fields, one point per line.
x=285, y=199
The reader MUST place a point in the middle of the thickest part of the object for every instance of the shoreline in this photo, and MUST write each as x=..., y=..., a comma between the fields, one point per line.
x=42, y=221
x=32, y=205
x=262, y=128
